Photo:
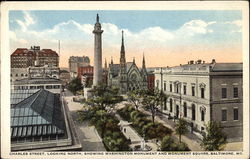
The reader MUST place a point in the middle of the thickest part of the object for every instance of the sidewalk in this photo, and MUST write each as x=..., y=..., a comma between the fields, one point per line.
x=191, y=140
x=87, y=134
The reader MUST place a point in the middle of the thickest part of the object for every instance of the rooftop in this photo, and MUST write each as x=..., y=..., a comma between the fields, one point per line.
x=202, y=67
x=33, y=50
x=46, y=80
x=38, y=114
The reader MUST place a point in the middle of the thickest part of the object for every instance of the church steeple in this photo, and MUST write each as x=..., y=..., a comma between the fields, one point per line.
x=123, y=70
x=143, y=62
x=122, y=52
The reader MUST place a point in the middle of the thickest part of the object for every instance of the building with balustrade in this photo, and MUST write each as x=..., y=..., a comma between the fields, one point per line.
x=200, y=92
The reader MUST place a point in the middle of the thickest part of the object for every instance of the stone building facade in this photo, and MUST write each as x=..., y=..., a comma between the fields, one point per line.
x=126, y=75
x=23, y=57
x=44, y=71
x=201, y=92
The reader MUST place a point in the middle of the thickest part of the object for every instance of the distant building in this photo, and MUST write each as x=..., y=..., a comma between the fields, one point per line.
x=126, y=75
x=85, y=70
x=200, y=92
x=64, y=77
x=23, y=57
x=39, y=122
x=151, y=78
x=75, y=62
x=50, y=84
x=34, y=72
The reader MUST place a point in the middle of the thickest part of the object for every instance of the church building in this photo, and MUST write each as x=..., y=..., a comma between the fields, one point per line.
x=126, y=75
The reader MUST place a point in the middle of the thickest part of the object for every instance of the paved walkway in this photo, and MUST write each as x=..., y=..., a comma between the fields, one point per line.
x=87, y=134
x=129, y=132
x=190, y=139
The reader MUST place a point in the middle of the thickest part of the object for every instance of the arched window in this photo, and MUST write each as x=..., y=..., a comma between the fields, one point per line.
x=202, y=88
x=185, y=109
x=193, y=112
x=171, y=104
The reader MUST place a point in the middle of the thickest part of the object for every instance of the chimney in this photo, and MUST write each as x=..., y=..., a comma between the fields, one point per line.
x=203, y=62
x=198, y=61
x=188, y=62
x=191, y=62
x=213, y=61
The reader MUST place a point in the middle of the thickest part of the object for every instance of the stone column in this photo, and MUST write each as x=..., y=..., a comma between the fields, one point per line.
x=97, y=53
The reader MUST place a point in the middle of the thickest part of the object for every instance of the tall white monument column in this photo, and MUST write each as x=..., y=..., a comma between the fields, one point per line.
x=97, y=53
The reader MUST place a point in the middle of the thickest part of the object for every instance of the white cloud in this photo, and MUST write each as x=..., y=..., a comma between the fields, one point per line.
x=195, y=27
x=74, y=34
x=13, y=37
x=28, y=20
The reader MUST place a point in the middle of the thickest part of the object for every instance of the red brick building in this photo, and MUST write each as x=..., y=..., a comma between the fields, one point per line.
x=86, y=73
x=151, y=81
x=23, y=57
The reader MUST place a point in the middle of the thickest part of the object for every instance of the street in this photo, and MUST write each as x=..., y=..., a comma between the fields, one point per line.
x=88, y=136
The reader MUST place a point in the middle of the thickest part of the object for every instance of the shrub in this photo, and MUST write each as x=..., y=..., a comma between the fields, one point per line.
x=133, y=115
x=168, y=144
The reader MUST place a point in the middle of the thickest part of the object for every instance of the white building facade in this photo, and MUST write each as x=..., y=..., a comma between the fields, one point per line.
x=203, y=92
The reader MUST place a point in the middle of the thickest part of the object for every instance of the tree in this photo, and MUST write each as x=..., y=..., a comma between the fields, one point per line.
x=75, y=85
x=151, y=99
x=104, y=96
x=214, y=139
x=167, y=144
x=135, y=98
x=181, y=128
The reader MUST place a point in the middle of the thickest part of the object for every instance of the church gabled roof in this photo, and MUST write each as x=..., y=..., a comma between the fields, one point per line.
x=129, y=65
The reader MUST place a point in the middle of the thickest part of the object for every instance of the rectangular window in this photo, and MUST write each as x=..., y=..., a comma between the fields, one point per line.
x=193, y=91
x=184, y=89
x=224, y=115
x=224, y=93
x=165, y=86
x=177, y=88
x=170, y=87
x=236, y=116
x=236, y=92
x=49, y=87
x=202, y=92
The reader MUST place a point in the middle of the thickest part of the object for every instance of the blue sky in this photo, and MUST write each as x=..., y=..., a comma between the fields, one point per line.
x=133, y=20
x=162, y=32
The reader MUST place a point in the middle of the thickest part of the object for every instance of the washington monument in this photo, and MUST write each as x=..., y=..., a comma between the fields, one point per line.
x=97, y=53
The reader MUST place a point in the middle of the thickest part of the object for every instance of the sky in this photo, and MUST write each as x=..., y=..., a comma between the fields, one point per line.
x=166, y=38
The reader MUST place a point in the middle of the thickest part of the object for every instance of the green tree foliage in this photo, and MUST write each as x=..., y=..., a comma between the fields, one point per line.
x=151, y=99
x=135, y=98
x=143, y=125
x=181, y=128
x=75, y=85
x=214, y=139
x=168, y=144
x=104, y=96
